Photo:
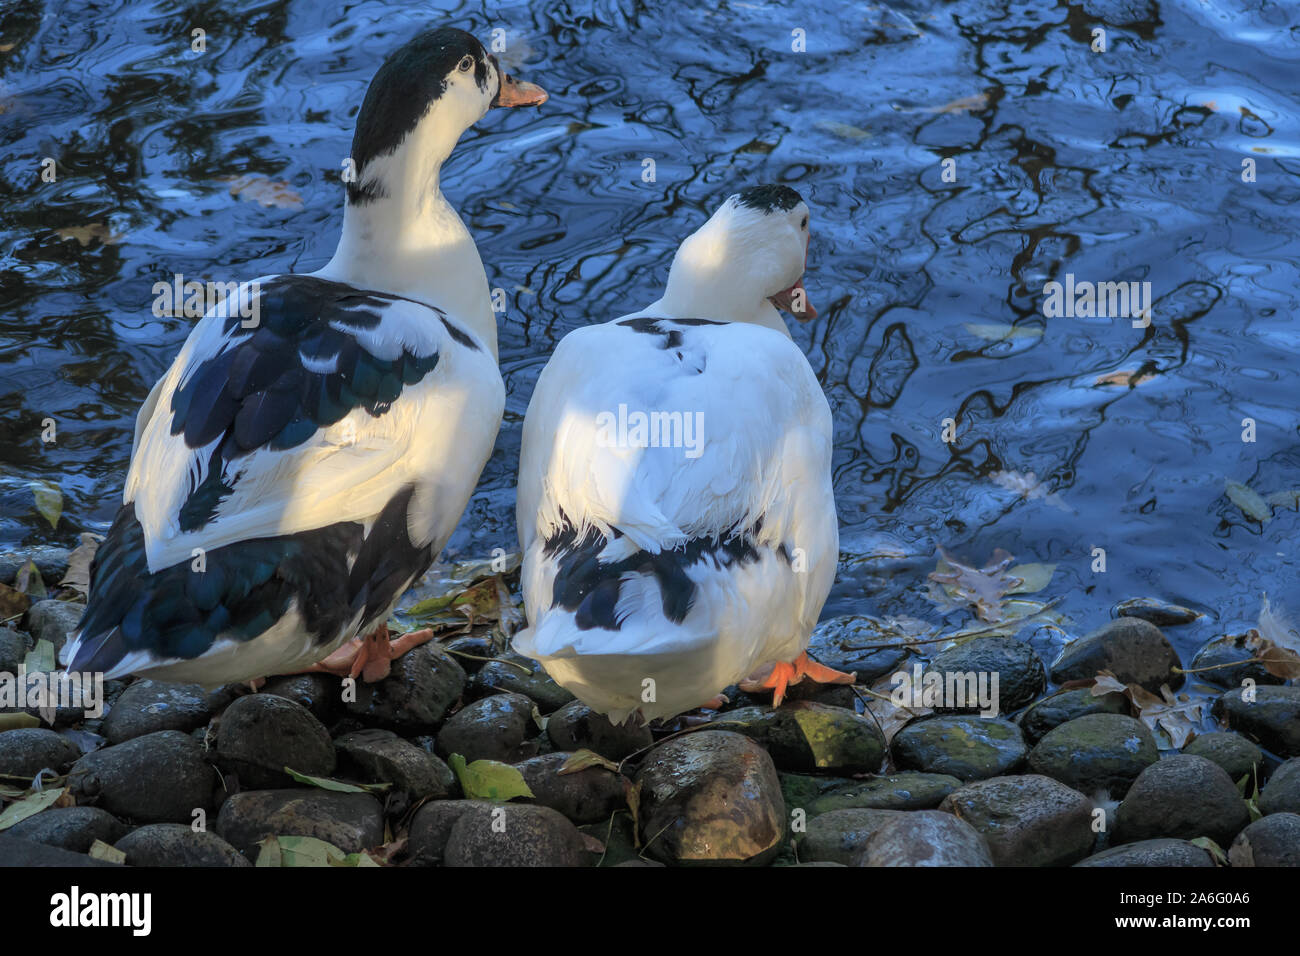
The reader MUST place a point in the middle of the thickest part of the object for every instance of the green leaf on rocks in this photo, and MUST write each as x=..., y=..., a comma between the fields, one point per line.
x=30, y=582
x=18, y=721
x=582, y=759
x=488, y=779
x=1248, y=500
x=295, y=851
x=29, y=807
x=49, y=500
x=99, y=850
x=1215, y=851
x=40, y=659
x=338, y=786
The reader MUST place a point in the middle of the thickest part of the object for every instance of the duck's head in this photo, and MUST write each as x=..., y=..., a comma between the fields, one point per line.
x=423, y=97
x=746, y=261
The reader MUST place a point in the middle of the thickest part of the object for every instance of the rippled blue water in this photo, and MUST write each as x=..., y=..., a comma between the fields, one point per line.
x=1116, y=165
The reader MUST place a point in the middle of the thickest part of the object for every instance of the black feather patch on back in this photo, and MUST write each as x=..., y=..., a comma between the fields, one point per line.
x=408, y=82
x=672, y=337
x=590, y=588
x=240, y=590
x=769, y=198
x=270, y=390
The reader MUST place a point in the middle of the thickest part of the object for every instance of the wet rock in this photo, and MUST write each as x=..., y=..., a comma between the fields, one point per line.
x=966, y=747
x=261, y=734
x=1273, y=718
x=1028, y=820
x=70, y=828
x=514, y=835
x=322, y=694
x=1095, y=752
x=515, y=674
x=1271, y=841
x=50, y=560
x=1183, y=797
x=1282, y=792
x=840, y=836
x=158, y=778
x=470, y=650
x=174, y=844
x=587, y=796
x=1161, y=852
x=709, y=797
x=1158, y=612
x=15, y=852
x=52, y=620
x=805, y=735
x=149, y=705
x=925, y=838
x=351, y=821
x=838, y=644
x=575, y=726
x=1231, y=649
x=1234, y=753
x=380, y=756
x=494, y=728
x=423, y=684
x=14, y=645
x=1019, y=670
x=1065, y=705
x=1134, y=650
x=27, y=751
x=617, y=835
x=906, y=790
x=431, y=828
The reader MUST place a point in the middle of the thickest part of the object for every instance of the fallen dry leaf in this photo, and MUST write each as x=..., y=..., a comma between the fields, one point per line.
x=260, y=189
x=1177, y=716
x=78, y=574
x=1126, y=378
x=1276, y=643
x=94, y=232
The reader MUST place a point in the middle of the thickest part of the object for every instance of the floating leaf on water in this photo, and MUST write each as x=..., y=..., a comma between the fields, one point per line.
x=337, y=786
x=78, y=574
x=49, y=500
x=966, y=104
x=1278, y=643
x=842, y=130
x=582, y=759
x=998, y=332
x=1248, y=500
x=1029, y=487
x=488, y=779
x=1126, y=378
x=1033, y=577
x=99, y=850
x=94, y=232
x=981, y=588
x=263, y=190
x=30, y=806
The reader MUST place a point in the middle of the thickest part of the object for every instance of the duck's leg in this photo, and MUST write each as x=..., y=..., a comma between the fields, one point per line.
x=369, y=657
x=785, y=673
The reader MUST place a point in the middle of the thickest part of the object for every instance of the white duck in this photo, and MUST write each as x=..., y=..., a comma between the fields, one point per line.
x=294, y=471
x=669, y=556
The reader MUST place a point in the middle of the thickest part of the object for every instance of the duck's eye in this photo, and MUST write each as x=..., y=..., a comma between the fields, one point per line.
x=804, y=224
x=466, y=63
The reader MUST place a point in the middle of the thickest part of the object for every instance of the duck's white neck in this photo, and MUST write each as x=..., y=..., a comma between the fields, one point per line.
x=707, y=281
x=409, y=241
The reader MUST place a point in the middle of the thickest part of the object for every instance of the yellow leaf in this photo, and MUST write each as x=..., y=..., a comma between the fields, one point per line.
x=265, y=191
x=99, y=850
x=29, y=807
x=997, y=332
x=49, y=500
x=1248, y=500
x=582, y=759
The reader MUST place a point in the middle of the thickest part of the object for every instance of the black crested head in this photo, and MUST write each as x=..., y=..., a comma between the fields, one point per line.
x=768, y=198
x=409, y=80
